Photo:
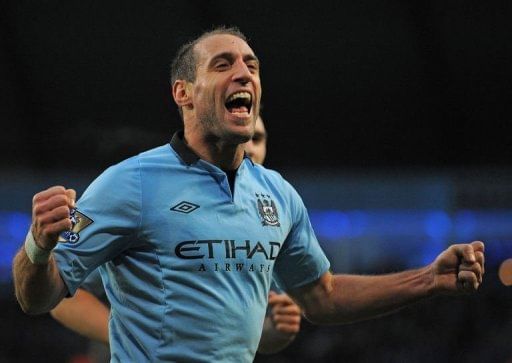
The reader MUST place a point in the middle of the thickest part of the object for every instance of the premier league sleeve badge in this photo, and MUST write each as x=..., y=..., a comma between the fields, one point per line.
x=78, y=221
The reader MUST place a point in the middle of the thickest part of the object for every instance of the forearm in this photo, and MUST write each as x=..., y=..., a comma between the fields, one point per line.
x=38, y=287
x=272, y=340
x=349, y=298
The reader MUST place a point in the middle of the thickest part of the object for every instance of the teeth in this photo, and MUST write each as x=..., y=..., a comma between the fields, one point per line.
x=237, y=95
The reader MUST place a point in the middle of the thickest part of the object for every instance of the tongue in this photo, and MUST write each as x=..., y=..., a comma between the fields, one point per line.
x=241, y=109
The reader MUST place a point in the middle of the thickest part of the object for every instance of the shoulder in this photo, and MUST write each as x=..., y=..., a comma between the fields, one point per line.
x=163, y=153
x=274, y=177
x=123, y=179
x=133, y=165
x=266, y=174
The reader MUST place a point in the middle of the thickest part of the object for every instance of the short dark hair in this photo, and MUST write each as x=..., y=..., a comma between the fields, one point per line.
x=184, y=64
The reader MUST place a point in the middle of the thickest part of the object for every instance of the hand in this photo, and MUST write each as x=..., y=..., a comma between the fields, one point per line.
x=50, y=215
x=460, y=268
x=285, y=314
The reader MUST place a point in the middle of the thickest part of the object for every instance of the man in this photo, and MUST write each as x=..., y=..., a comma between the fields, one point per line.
x=189, y=235
x=87, y=311
x=256, y=147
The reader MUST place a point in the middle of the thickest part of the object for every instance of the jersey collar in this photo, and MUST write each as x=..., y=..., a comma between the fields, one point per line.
x=186, y=154
x=180, y=146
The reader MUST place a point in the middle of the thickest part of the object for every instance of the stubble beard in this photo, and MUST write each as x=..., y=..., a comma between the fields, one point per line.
x=211, y=127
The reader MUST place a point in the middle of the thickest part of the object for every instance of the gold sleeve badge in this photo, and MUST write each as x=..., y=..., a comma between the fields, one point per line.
x=79, y=221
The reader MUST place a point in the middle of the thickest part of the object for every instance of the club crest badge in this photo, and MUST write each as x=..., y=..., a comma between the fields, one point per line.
x=267, y=210
x=78, y=221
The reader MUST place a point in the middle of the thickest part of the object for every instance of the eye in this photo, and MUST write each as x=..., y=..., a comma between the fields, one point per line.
x=222, y=65
x=253, y=66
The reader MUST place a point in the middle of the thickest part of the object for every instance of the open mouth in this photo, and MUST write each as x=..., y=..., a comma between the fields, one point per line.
x=239, y=102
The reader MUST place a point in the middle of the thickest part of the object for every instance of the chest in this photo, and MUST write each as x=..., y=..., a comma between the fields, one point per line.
x=202, y=219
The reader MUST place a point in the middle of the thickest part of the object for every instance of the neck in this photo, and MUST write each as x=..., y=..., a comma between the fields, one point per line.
x=225, y=155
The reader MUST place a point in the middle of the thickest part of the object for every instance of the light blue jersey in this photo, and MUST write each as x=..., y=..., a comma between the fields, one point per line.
x=187, y=265
x=94, y=285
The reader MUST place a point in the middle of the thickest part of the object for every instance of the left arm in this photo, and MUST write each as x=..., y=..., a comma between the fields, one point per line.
x=281, y=326
x=338, y=299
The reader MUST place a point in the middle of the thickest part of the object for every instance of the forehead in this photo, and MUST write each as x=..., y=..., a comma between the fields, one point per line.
x=221, y=43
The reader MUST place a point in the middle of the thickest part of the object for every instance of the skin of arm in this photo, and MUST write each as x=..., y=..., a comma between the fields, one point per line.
x=281, y=326
x=39, y=287
x=85, y=314
x=338, y=299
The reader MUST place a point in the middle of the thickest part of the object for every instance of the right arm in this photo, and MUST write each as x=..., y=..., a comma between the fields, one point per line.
x=38, y=285
x=85, y=314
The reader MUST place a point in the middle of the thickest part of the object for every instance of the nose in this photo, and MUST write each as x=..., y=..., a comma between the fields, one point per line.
x=241, y=73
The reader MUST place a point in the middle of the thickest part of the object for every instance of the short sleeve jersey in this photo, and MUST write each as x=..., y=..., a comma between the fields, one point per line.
x=187, y=264
x=94, y=285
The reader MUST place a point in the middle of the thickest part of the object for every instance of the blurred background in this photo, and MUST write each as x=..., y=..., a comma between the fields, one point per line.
x=391, y=119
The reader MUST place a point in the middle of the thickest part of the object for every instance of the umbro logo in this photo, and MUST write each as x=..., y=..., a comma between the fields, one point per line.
x=185, y=207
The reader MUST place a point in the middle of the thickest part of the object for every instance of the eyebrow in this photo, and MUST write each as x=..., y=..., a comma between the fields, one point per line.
x=230, y=56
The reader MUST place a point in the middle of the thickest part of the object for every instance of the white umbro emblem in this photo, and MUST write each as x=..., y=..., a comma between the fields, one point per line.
x=185, y=207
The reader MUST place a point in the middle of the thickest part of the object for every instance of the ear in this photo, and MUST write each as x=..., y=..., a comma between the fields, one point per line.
x=181, y=92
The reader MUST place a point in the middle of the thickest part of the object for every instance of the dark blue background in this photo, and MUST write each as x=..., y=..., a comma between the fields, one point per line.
x=392, y=119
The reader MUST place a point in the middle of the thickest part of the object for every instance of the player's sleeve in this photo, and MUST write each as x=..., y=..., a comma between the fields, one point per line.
x=301, y=259
x=108, y=219
x=94, y=285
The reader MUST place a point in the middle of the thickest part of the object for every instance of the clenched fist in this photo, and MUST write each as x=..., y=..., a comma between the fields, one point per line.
x=50, y=215
x=285, y=314
x=460, y=268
